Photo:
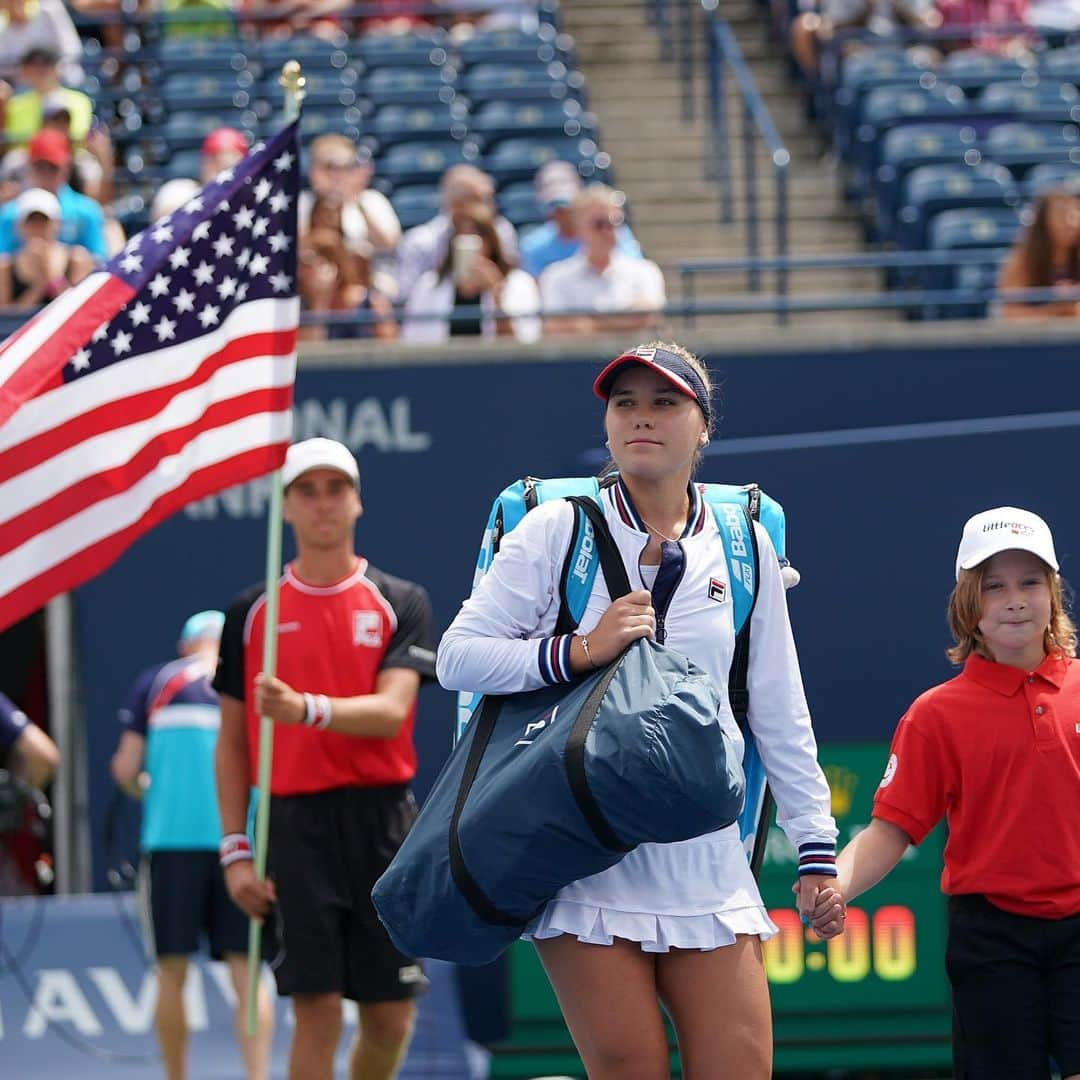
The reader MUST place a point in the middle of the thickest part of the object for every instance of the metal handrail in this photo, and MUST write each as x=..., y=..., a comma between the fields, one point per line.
x=724, y=58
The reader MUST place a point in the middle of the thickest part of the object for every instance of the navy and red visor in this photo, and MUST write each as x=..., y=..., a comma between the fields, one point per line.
x=665, y=363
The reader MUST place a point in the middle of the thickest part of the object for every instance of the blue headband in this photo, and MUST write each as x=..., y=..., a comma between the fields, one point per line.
x=671, y=366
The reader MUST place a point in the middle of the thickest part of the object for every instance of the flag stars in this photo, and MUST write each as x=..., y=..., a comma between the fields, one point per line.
x=279, y=242
x=101, y=332
x=263, y=189
x=131, y=263
x=162, y=234
x=184, y=301
x=224, y=177
x=244, y=217
x=81, y=360
x=201, y=231
x=241, y=292
x=280, y=282
x=209, y=316
x=223, y=206
x=243, y=257
x=165, y=329
x=284, y=162
x=260, y=227
x=223, y=246
x=140, y=314
x=258, y=265
x=193, y=205
x=159, y=286
x=179, y=257
x=227, y=288
x=121, y=342
x=203, y=273
x=279, y=202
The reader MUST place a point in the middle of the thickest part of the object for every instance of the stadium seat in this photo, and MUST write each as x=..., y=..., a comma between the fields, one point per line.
x=185, y=129
x=518, y=205
x=415, y=205
x=975, y=227
x=501, y=119
x=512, y=46
x=312, y=52
x=1061, y=64
x=497, y=82
x=931, y=189
x=422, y=162
x=401, y=86
x=1045, y=101
x=518, y=159
x=906, y=148
x=394, y=124
x=324, y=87
x=421, y=49
x=1061, y=174
x=204, y=90
x=890, y=107
x=972, y=69
x=1020, y=146
x=183, y=163
x=200, y=54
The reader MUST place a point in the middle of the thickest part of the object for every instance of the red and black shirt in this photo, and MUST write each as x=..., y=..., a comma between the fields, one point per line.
x=332, y=640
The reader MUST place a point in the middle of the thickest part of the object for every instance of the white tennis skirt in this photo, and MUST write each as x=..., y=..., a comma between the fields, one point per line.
x=696, y=894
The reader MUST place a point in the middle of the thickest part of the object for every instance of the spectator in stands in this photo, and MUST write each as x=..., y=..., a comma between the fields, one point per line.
x=821, y=20
x=333, y=280
x=284, y=18
x=340, y=177
x=82, y=222
x=1046, y=255
x=44, y=24
x=425, y=247
x=557, y=184
x=468, y=16
x=39, y=72
x=475, y=271
x=171, y=196
x=620, y=292
x=987, y=13
x=221, y=149
x=40, y=267
x=216, y=19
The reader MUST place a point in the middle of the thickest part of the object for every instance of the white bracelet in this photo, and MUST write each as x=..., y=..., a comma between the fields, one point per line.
x=317, y=711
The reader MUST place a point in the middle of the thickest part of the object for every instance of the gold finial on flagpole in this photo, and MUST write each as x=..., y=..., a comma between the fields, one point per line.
x=292, y=82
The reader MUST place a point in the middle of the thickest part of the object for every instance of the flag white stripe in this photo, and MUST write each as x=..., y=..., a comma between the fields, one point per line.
x=119, y=445
x=59, y=311
x=108, y=516
x=151, y=371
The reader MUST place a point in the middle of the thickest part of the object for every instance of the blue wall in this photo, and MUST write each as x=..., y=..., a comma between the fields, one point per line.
x=879, y=457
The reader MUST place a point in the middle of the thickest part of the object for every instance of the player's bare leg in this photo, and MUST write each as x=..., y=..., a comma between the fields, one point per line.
x=316, y=1037
x=169, y=1018
x=719, y=1004
x=255, y=1048
x=607, y=994
x=385, y=1030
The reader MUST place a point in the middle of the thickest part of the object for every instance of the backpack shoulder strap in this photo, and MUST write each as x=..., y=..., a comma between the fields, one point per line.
x=591, y=545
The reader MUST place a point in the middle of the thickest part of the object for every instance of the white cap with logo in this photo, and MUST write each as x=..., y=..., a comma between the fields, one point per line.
x=1004, y=529
x=311, y=454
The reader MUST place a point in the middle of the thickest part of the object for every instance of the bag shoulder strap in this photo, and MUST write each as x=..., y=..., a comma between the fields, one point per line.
x=592, y=543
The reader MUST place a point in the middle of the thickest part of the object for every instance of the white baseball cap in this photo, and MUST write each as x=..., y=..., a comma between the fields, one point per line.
x=1004, y=529
x=37, y=201
x=311, y=454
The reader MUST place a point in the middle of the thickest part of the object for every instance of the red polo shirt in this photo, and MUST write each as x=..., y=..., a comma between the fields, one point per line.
x=332, y=640
x=997, y=751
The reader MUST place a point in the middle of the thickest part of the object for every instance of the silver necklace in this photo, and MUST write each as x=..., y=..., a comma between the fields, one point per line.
x=663, y=536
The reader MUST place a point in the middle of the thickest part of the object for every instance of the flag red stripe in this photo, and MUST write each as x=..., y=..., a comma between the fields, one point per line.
x=130, y=410
x=67, y=338
x=109, y=482
x=82, y=566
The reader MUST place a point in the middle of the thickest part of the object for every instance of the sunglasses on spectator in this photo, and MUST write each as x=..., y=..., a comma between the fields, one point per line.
x=337, y=166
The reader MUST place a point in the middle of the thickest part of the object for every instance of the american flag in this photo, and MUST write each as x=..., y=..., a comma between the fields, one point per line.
x=163, y=377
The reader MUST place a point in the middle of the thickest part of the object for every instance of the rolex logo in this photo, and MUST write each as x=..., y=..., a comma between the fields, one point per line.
x=842, y=785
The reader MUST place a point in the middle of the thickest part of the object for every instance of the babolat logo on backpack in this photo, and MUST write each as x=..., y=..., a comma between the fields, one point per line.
x=601, y=778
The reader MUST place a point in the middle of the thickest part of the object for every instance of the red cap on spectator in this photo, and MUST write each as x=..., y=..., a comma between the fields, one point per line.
x=224, y=140
x=50, y=146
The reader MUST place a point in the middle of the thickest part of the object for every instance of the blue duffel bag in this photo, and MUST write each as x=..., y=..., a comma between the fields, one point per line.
x=553, y=785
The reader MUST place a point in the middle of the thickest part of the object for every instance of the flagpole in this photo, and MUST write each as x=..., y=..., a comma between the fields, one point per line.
x=292, y=82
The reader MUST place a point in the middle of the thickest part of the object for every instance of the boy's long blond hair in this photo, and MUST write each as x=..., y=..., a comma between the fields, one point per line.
x=965, y=610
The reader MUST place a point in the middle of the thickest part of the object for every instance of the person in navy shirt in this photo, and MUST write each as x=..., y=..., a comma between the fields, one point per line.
x=166, y=758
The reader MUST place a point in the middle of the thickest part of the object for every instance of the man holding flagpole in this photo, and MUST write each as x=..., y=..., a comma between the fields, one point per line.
x=353, y=646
